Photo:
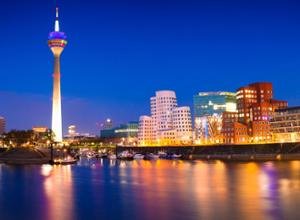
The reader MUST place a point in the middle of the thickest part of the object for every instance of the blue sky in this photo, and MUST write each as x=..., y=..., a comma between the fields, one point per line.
x=121, y=52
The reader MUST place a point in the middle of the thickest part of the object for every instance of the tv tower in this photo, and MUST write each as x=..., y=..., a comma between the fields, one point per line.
x=57, y=41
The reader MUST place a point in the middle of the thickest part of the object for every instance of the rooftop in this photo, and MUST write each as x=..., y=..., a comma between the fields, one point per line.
x=288, y=109
x=218, y=93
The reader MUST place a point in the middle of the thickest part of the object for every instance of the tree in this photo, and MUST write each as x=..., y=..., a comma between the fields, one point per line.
x=18, y=138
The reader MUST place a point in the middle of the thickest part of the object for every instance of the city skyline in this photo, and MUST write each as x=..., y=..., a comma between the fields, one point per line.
x=126, y=55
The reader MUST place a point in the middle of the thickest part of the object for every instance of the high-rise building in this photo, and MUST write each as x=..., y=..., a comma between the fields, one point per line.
x=2, y=125
x=57, y=42
x=168, y=124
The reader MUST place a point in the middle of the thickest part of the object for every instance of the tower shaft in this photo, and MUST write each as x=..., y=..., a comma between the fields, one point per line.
x=56, y=101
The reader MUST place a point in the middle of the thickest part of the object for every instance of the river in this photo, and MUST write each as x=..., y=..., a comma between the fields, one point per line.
x=162, y=189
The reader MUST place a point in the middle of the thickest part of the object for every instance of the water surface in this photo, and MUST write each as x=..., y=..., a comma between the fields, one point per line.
x=163, y=189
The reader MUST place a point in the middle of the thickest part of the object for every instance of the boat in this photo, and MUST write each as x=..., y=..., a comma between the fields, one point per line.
x=176, y=156
x=66, y=161
x=151, y=156
x=138, y=156
x=125, y=155
x=112, y=156
x=162, y=154
x=90, y=154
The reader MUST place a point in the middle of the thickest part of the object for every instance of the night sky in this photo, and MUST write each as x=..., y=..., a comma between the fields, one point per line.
x=120, y=52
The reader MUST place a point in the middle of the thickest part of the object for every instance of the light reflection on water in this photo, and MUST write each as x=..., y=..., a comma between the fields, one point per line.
x=58, y=188
x=162, y=189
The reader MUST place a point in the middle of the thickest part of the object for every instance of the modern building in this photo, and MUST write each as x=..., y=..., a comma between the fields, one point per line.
x=209, y=103
x=255, y=107
x=261, y=131
x=228, y=123
x=146, y=135
x=255, y=102
x=208, y=109
x=285, y=125
x=233, y=132
x=207, y=129
x=161, y=109
x=107, y=129
x=128, y=130
x=107, y=133
x=168, y=124
x=2, y=125
x=182, y=124
x=57, y=41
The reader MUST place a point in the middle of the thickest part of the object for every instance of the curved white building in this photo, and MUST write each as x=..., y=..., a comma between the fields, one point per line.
x=161, y=109
x=182, y=123
x=145, y=131
x=168, y=124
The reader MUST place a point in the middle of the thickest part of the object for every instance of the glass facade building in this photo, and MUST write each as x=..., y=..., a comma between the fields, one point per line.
x=123, y=131
x=209, y=103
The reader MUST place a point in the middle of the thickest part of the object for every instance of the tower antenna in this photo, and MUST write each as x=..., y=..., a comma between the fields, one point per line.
x=56, y=26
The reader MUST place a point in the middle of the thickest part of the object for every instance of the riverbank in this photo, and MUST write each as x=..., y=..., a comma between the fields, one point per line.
x=249, y=152
x=24, y=156
x=252, y=157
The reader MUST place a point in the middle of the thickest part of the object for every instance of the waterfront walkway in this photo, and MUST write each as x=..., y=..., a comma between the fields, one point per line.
x=256, y=152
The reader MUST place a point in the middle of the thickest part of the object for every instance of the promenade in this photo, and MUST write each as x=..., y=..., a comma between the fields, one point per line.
x=249, y=152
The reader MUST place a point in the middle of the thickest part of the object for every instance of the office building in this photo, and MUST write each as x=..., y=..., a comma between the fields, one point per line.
x=255, y=107
x=207, y=129
x=208, y=109
x=209, y=103
x=285, y=125
x=146, y=135
x=128, y=130
x=182, y=124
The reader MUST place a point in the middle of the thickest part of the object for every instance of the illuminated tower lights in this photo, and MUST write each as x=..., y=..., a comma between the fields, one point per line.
x=57, y=42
